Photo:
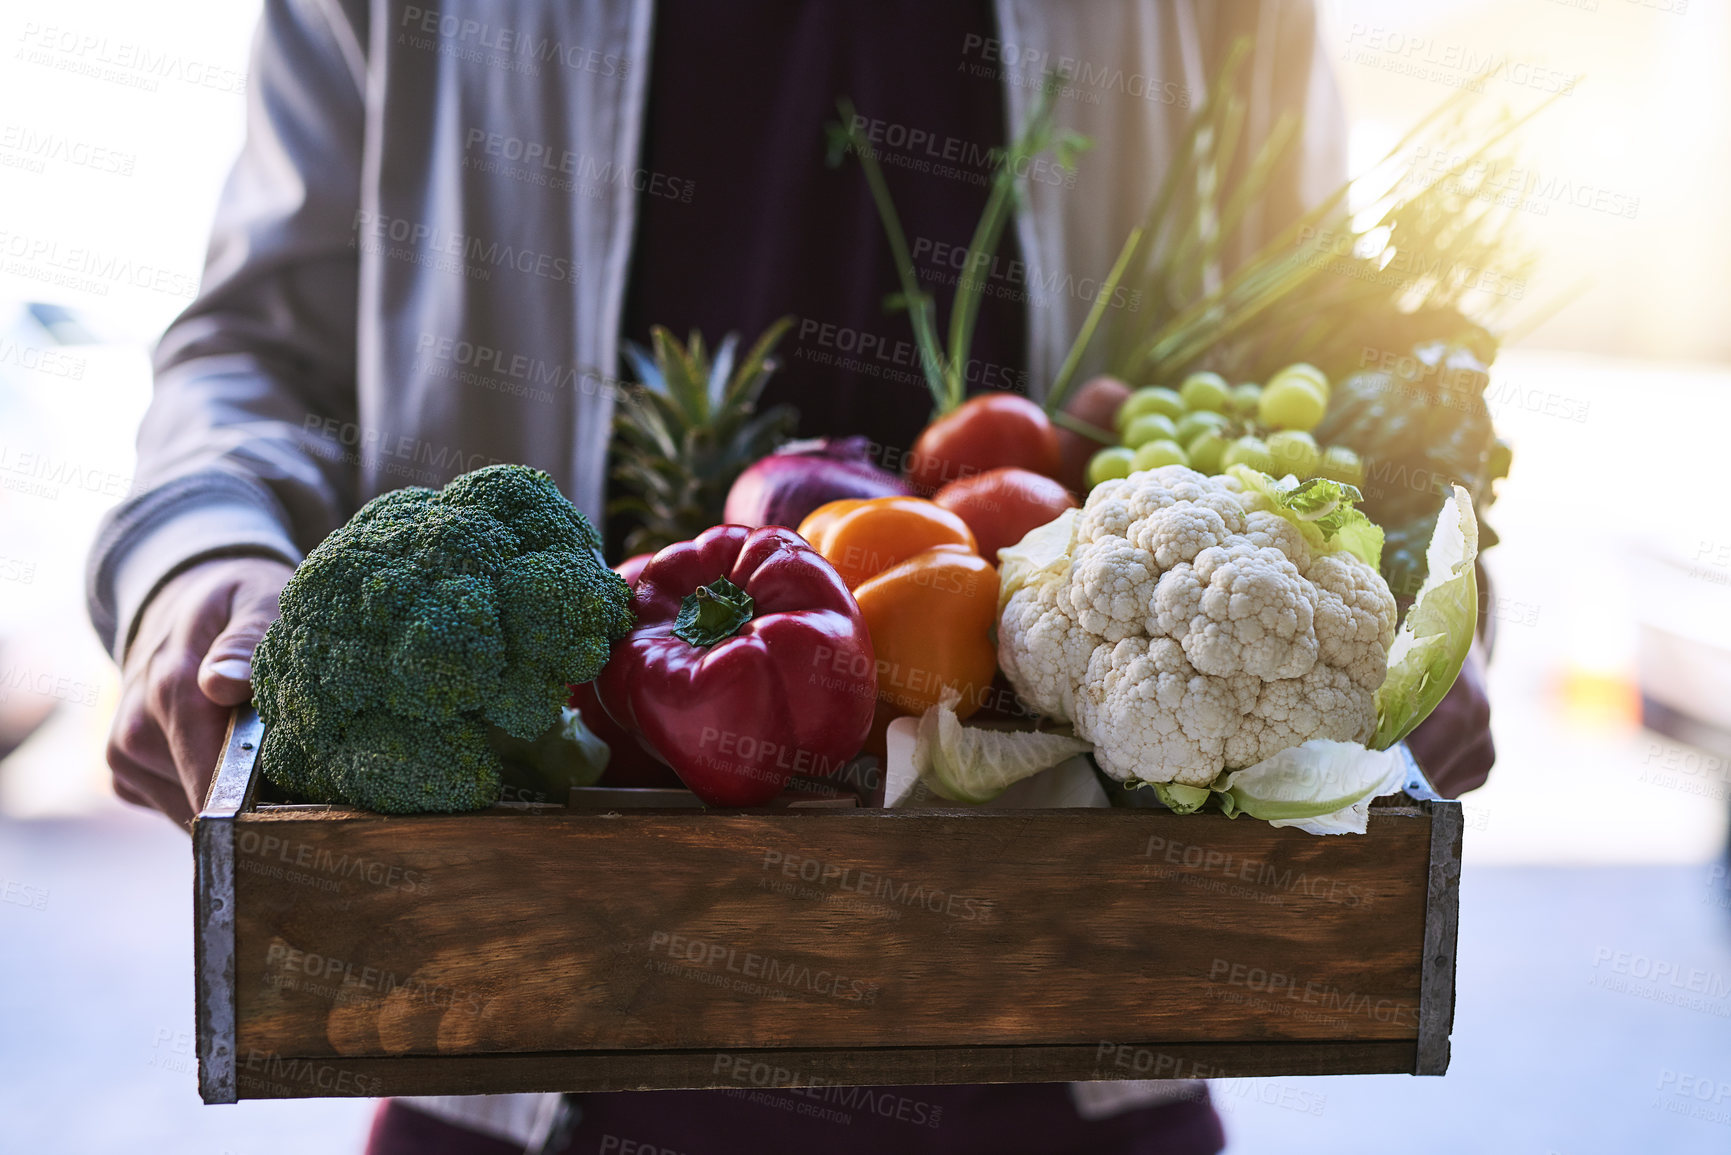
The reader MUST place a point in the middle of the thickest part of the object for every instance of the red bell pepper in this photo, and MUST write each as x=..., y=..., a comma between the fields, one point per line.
x=749, y=663
x=628, y=763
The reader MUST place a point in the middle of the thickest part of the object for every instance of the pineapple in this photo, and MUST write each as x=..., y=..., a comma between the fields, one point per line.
x=688, y=430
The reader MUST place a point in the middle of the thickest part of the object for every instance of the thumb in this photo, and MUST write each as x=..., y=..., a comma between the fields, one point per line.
x=225, y=675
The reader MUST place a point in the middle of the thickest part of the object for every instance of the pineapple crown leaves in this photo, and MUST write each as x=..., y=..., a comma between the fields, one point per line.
x=699, y=387
x=689, y=428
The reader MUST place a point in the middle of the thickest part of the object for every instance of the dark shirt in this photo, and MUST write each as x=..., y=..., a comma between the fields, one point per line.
x=741, y=221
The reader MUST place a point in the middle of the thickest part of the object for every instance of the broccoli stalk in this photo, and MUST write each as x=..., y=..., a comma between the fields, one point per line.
x=431, y=616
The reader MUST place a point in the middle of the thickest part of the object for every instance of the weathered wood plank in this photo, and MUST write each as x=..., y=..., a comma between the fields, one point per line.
x=265, y=1076
x=564, y=931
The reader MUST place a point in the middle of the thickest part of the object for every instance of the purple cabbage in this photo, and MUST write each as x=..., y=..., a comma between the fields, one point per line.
x=785, y=486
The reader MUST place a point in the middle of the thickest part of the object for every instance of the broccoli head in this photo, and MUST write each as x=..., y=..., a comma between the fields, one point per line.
x=430, y=617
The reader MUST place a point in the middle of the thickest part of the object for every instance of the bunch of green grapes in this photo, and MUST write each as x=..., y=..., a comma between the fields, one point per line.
x=1209, y=426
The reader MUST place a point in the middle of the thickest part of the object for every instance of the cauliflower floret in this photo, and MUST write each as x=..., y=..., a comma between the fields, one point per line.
x=1271, y=531
x=1179, y=532
x=1256, y=614
x=1324, y=703
x=1107, y=514
x=1177, y=602
x=1186, y=485
x=1043, y=651
x=1154, y=716
x=1110, y=589
x=1355, y=617
x=1194, y=630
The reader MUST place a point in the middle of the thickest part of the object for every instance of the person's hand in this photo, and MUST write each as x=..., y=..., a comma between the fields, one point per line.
x=190, y=662
x=1453, y=745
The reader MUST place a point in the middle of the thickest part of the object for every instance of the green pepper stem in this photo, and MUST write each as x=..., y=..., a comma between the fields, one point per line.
x=711, y=614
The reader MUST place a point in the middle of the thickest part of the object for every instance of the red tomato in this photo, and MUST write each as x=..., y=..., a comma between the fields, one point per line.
x=1097, y=402
x=984, y=432
x=1001, y=505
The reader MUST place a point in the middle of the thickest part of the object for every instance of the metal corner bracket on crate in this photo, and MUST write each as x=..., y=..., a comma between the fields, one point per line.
x=213, y=905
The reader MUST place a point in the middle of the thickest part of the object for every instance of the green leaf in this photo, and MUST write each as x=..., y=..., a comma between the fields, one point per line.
x=757, y=367
x=1082, y=428
x=837, y=140
x=974, y=765
x=651, y=420
x=643, y=365
x=721, y=371
x=920, y=313
x=1069, y=147
x=1318, y=498
x=1085, y=335
x=1044, y=550
x=1323, y=511
x=568, y=754
x=945, y=368
x=684, y=381
x=711, y=614
x=1320, y=786
x=1433, y=641
x=1181, y=799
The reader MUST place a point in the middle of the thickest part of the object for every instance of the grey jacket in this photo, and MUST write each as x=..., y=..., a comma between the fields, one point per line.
x=418, y=265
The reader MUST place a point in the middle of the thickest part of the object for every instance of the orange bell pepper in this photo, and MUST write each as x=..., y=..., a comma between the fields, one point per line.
x=928, y=598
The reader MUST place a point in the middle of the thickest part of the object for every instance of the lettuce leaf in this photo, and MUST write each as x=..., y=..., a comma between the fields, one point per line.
x=1323, y=510
x=974, y=765
x=1432, y=643
x=1043, y=550
x=1322, y=787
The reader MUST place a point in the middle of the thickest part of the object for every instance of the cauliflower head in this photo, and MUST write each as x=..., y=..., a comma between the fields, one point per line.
x=1185, y=627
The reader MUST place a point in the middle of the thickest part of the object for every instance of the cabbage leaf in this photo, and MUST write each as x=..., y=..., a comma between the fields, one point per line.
x=1323, y=510
x=974, y=765
x=1433, y=641
x=1045, y=549
x=1319, y=786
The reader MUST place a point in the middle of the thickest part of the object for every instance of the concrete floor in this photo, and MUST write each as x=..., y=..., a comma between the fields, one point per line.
x=96, y=1004
x=1564, y=1043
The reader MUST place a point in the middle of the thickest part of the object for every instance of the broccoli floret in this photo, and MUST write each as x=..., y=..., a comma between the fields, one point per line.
x=429, y=617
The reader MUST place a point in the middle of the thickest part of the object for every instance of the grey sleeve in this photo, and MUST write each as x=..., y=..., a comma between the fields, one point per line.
x=227, y=460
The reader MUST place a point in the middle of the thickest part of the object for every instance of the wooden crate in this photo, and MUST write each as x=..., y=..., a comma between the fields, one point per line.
x=539, y=948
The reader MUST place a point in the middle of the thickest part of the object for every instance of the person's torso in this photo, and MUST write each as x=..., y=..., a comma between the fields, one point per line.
x=508, y=157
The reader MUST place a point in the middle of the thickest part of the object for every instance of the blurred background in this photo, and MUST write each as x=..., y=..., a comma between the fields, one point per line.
x=1595, y=858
